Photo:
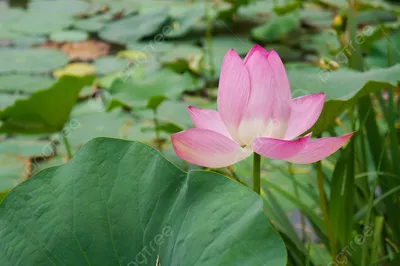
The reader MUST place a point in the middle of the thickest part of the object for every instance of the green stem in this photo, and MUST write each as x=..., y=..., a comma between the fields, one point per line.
x=297, y=194
x=256, y=173
x=324, y=209
x=67, y=145
x=156, y=129
x=368, y=215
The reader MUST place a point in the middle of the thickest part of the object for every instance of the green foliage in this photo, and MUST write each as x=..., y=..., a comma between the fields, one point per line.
x=144, y=25
x=24, y=83
x=154, y=59
x=69, y=36
x=128, y=198
x=138, y=92
x=45, y=111
x=342, y=87
x=31, y=60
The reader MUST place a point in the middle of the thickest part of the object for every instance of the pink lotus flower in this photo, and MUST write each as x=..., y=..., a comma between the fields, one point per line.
x=256, y=113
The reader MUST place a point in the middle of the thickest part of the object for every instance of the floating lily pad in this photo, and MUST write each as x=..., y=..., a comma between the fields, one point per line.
x=9, y=99
x=324, y=43
x=137, y=92
x=110, y=64
x=93, y=24
x=152, y=47
x=256, y=10
x=8, y=15
x=134, y=28
x=26, y=148
x=45, y=111
x=75, y=69
x=24, y=83
x=317, y=18
x=14, y=169
x=69, y=36
x=31, y=60
x=63, y=7
x=6, y=33
x=183, y=57
x=118, y=8
x=95, y=122
x=41, y=24
x=276, y=27
x=342, y=87
x=221, y=45
x=175, y=112
x=28, y=41
x=182, y=24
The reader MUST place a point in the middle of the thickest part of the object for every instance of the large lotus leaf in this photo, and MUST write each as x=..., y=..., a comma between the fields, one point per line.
x=24, y=83
x=33, y=23
x=31, y=60
x=66, y=7
x=134, y=28
x=45, y=111
x=137, y=92
x=342, y=87
x=121, y=203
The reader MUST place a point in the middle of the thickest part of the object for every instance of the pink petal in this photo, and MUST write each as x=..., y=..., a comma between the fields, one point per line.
x=305, y=112
x=208, y=119
x=279, y=149
x=233, y=91
x=207, y=148
x=270, y=96
x=268, y=81
x=319, y=149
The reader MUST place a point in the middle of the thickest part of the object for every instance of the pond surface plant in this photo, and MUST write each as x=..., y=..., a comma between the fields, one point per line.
x=100, y=163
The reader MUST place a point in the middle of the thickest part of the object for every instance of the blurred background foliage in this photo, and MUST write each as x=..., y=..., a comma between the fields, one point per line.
x=72, y=70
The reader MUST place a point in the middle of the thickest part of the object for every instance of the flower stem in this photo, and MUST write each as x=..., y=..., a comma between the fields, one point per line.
x=324, y=208
x=67, y=145
x=297, y=195
x=156, y=130
x=256, y=173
